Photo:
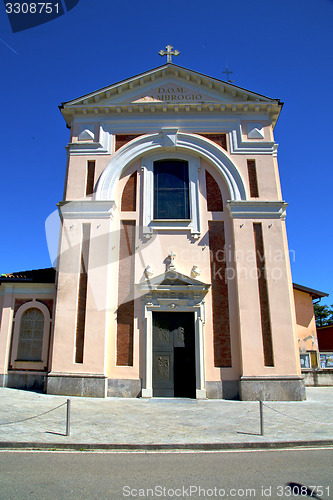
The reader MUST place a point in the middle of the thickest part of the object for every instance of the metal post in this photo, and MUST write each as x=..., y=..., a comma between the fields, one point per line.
x=68, y=419
x=261, y=411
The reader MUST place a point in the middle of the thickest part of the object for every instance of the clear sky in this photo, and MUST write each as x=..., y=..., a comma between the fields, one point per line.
x=280, y=48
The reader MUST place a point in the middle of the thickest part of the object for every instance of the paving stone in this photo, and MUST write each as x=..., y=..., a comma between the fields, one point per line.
x=120, y=421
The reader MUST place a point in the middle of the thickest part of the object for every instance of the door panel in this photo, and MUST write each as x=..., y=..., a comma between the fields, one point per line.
x=173, y=355
x=163, y=379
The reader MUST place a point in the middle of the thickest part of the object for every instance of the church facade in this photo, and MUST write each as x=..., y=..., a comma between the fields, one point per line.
x=173, y=274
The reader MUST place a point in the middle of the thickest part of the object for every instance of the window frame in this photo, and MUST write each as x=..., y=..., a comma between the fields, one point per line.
x=14, y=362
x=158, y=189
x=150, y=224
x=21, y=339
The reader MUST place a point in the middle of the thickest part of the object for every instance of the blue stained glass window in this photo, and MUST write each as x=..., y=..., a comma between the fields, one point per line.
x=171, y=189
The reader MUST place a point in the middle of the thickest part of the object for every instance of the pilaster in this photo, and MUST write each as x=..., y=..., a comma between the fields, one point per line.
x=5, y=329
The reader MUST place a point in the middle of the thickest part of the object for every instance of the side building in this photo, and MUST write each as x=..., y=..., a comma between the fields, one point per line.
x=27, y=302
x=315, y=343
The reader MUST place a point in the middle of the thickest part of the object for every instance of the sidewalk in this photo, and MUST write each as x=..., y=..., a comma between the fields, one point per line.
x=119, y=423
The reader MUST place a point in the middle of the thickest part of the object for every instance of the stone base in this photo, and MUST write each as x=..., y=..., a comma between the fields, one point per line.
x=146, y=393
x=226, y=389
x=318, y=378
x=230, y=389
x=3, y=380
x=200, y=394
x=124, y=388
x=214, y=390
x=272, y=389
x=29, y=381
x=87, y=385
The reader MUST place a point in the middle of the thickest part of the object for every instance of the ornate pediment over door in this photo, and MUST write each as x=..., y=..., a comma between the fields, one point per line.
x=173, y=291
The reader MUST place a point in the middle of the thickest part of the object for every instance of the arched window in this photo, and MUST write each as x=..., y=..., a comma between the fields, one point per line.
x=171, y=193
x=171, y=189
x=31, y=335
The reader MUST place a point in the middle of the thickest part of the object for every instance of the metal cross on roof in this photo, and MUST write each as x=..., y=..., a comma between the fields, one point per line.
x=169, y=52
x=228, y=73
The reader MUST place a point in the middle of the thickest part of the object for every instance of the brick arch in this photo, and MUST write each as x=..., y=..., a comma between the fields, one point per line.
x=181, y=142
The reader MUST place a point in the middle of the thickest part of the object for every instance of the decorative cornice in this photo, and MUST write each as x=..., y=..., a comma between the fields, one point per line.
x=86, y=209
x=257, y=209
x=232, y=126
x=239, y=146
x=148, y=108
x=100, y=147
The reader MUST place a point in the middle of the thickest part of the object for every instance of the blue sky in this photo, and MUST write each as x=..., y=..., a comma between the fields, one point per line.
x=280, y=48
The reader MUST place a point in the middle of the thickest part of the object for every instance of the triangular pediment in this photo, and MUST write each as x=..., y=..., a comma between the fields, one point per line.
x=173, y=279
x=171, y=88
x=169, y=84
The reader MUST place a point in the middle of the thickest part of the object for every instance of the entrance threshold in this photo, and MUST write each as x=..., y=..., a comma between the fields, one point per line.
x=172, y=400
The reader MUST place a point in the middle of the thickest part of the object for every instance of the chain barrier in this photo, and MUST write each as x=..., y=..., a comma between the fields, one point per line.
x=296, y=418
x=35, y=416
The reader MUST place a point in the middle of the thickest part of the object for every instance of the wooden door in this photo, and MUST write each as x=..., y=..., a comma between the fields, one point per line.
x=173, y=355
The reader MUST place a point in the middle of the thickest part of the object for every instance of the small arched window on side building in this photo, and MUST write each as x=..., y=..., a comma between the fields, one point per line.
x=31, y=335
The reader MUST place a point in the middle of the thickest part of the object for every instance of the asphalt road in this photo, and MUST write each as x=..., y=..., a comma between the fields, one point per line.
x=96, y=475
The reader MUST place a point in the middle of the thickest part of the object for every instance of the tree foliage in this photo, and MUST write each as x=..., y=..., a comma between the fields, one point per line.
x=323, y=314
